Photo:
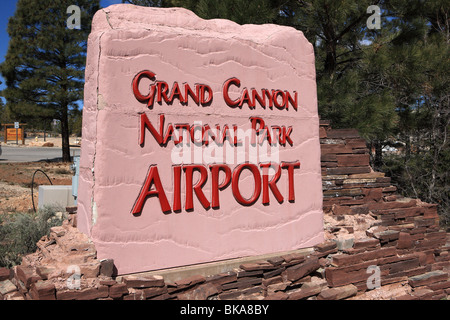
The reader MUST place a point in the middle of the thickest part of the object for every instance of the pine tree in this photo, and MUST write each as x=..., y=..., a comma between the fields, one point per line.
x=239, y=11
x=350, y=91
x=44, y=64
x=420, y=77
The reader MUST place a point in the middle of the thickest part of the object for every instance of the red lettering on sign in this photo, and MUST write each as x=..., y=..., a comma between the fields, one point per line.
x=203, y=90
x=200, y=134
x=177, y=188
x=290, y=166
x=226, y=97
x=260, y=98
x=293, y=101
x=275, y=96
x=256, y=121
x=272, y=134
x=153, y=187
x=197, y=188
x=259, y=128
x=272, y=184
x=235, y=184
x=176, y=92
x=141, y=98
x=280, y=98
x=245, y=98
x=203, y=93
x=188, y=92
x=152, y=179
x=215, y=186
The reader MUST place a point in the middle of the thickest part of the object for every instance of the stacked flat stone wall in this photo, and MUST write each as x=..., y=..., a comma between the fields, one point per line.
x=378, y=245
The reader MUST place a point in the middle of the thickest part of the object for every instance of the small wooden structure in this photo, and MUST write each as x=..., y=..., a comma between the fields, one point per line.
x=12, y=133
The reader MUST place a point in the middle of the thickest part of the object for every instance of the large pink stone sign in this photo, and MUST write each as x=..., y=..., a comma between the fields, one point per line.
x=200, y=140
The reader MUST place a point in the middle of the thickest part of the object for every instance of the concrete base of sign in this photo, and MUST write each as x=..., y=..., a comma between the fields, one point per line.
x=218, y=267
x=55, y=196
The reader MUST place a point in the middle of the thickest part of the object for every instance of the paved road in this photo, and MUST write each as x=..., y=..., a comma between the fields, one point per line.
x=31, y=154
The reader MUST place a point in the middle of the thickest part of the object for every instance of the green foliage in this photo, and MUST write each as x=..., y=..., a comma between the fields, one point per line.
x=419, y=74
x=44, y=64
x=239, y=11
x=75, y=122
x=19, y=233
x=242, y=12
x=424, y=177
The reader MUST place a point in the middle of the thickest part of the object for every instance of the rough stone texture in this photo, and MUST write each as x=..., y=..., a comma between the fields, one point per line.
x=43, y=290
x=178, y=46
x=338, y=293
x=5, y=274
x=428, y=278
x=133, y=281
x=299, y=271
x=6, y=286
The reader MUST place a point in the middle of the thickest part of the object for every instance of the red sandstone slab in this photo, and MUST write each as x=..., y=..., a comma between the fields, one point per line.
x=423, y=293
x=348, y=170
x=326, y=246
x=375, y=206
x=421, y=222
x=404, y=240
x=356, y=143
x=5, y=274
x=262, y=266
x=335, y=149
x=345, y=260
x=133, y=281
x=356, y=160
x=88, y=293
x=6, y=287
x=343, y=133
x=404, y=265
x=430, y=212
x=298, y=271
x=343, y=192
x=304, y=293
x=153, y=292
x=322, y=132
x=407, y=297
x=439, y=285
x=370, y=175
x=366, y=243
x=26, y=275
x=152, y=73
x=329, y=157
x=118, y=290
x=428, y=278
x=279, y=295
x=43, y=290
x=338, y=293
x=347, y=275
x=201, y=292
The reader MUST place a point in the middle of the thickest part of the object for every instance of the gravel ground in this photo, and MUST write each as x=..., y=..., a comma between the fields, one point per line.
x=16, y=179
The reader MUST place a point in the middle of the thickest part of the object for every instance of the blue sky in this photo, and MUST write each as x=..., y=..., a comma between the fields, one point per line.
x=7, y=9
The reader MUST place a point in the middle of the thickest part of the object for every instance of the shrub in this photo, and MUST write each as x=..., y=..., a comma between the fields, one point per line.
x=19, y=233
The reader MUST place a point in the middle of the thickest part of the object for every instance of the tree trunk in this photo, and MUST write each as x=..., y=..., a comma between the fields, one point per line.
x=378, y=156
x=65, y=136
x=330, y=58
